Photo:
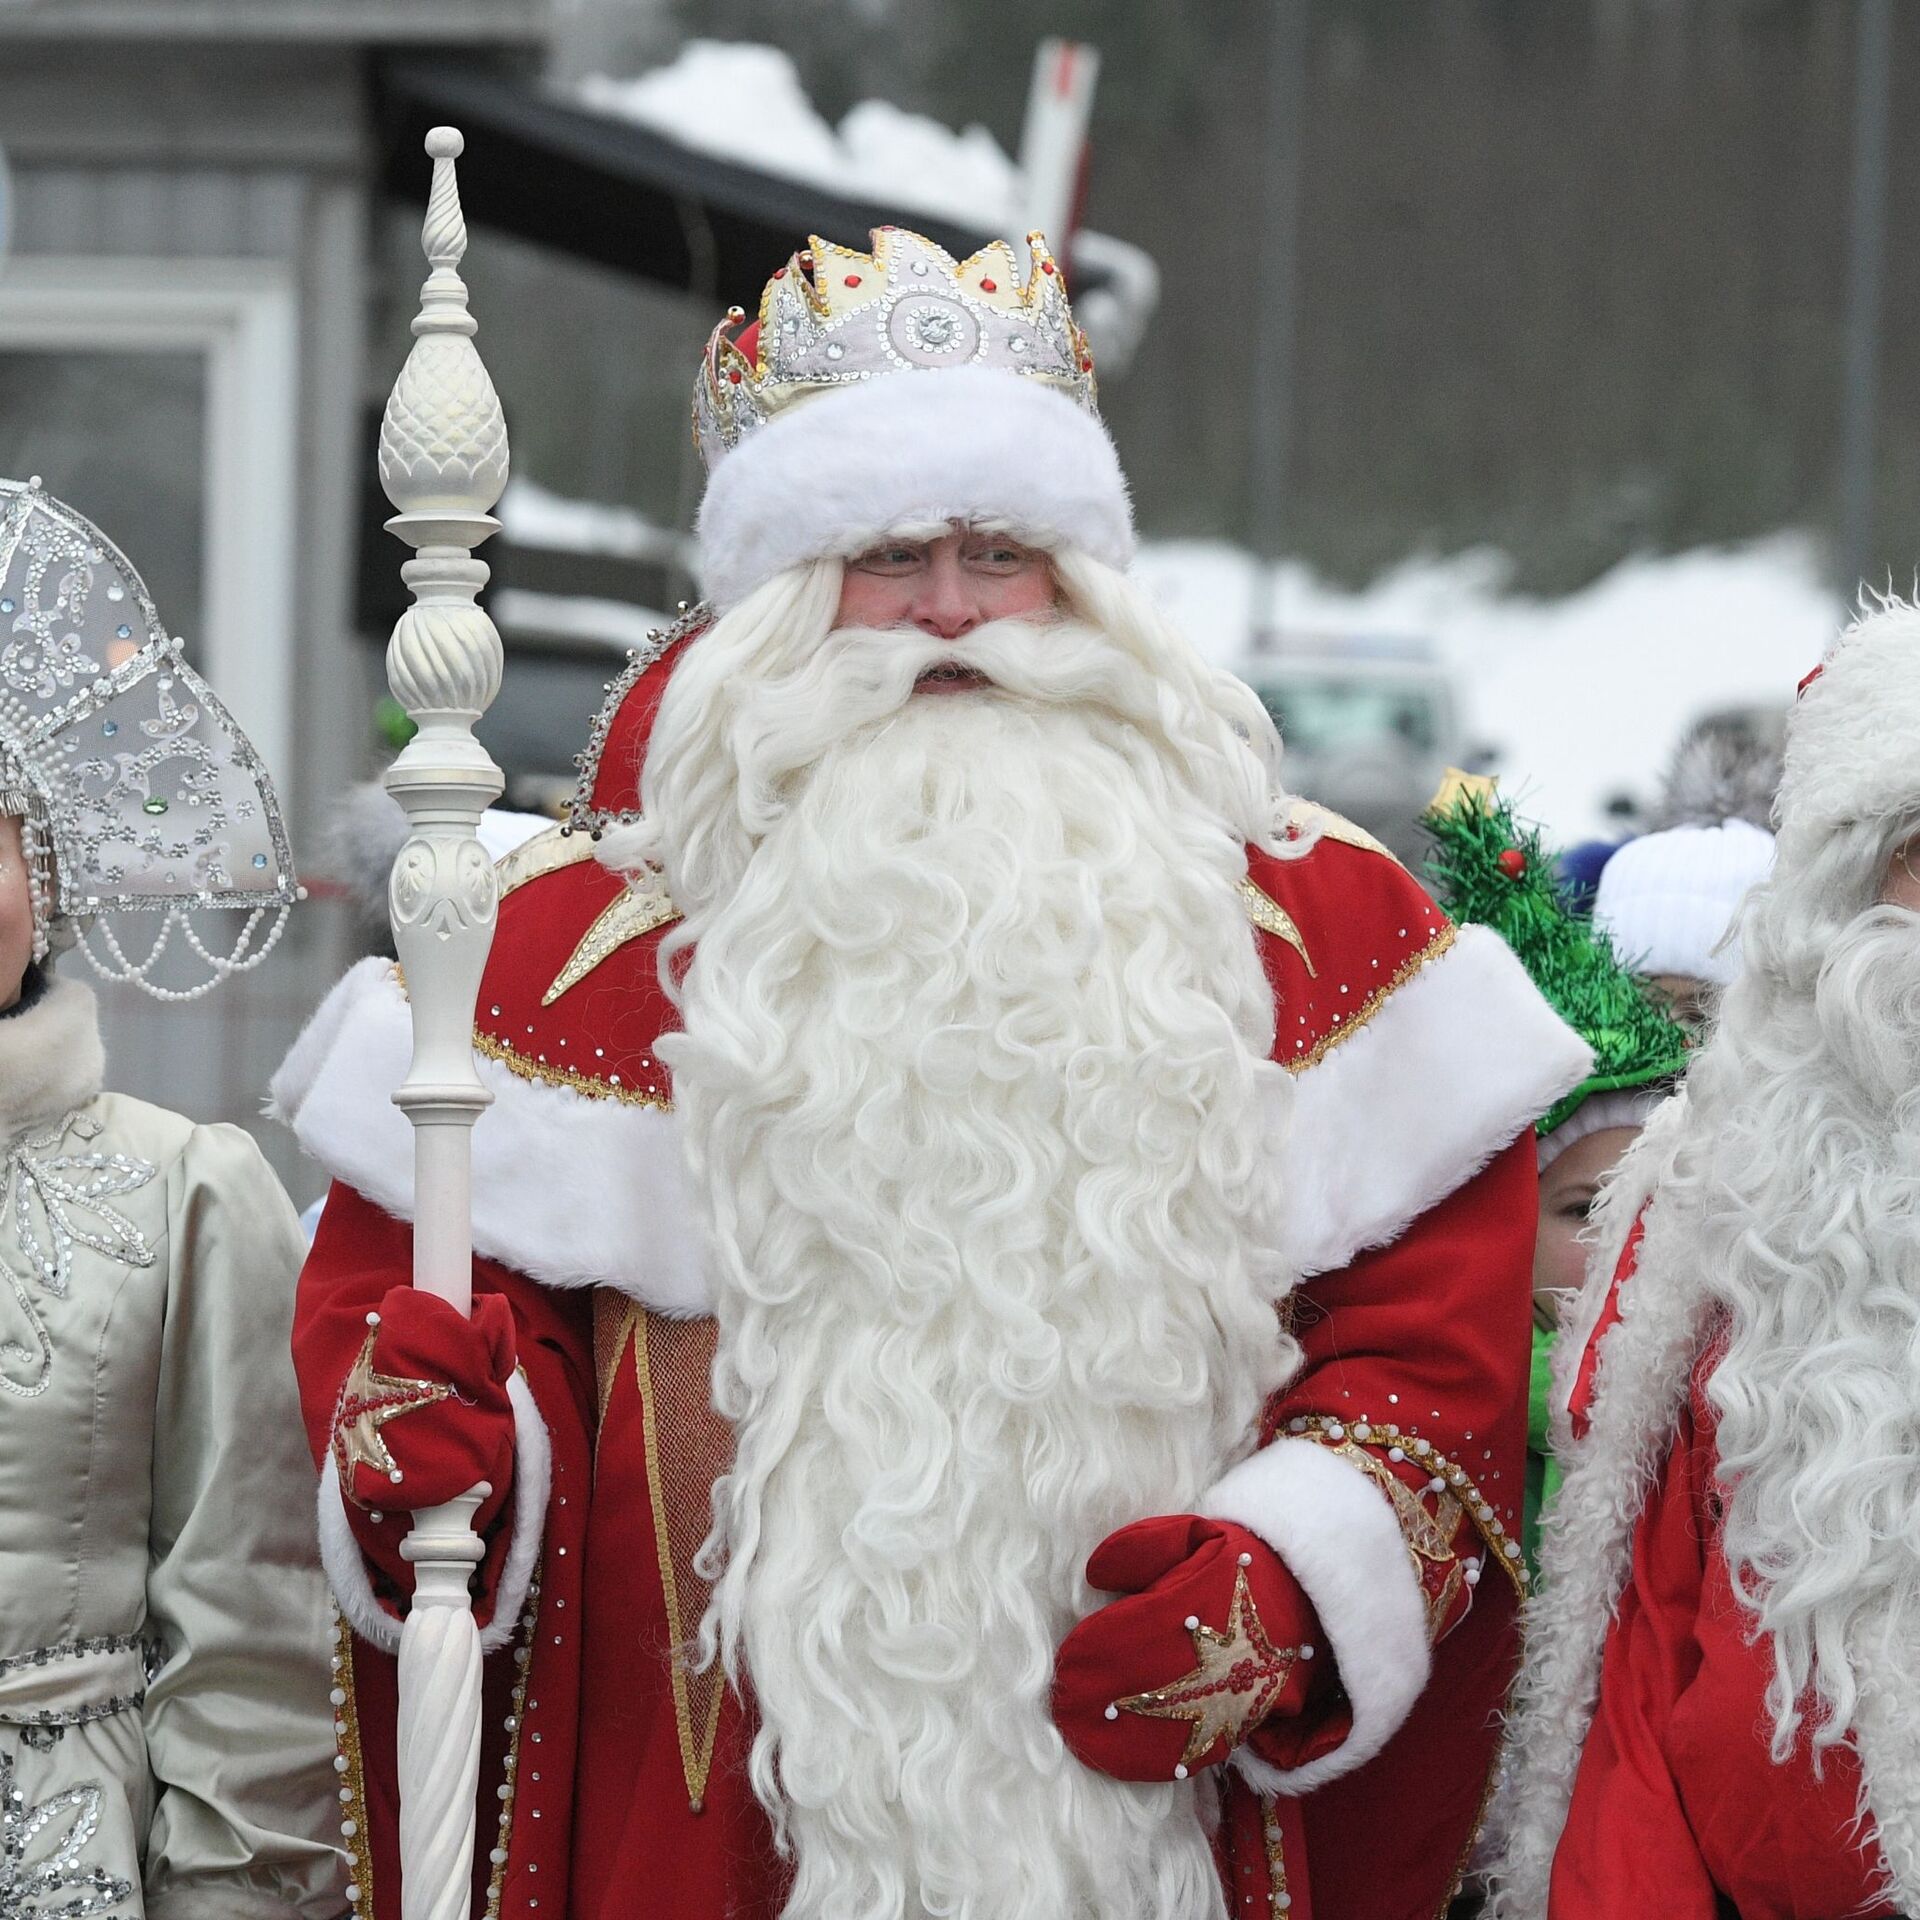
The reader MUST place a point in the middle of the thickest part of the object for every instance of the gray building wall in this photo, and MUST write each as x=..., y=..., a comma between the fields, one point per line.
x=254, y=146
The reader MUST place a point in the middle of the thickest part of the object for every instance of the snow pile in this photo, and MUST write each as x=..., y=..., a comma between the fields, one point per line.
x=1580, y=698
x=745, y=103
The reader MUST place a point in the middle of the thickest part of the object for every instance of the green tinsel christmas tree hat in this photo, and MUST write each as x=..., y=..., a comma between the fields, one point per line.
x=1488, y=868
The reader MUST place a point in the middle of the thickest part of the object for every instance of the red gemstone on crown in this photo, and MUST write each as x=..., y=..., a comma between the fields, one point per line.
x=1046, y=266
x=989, y=286
x=853, y=279
x=735, y=376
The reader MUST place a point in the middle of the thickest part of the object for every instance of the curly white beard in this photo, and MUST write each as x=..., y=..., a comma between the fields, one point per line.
x=1809, y=1232
x=1785, y=1221
x=977, y=1093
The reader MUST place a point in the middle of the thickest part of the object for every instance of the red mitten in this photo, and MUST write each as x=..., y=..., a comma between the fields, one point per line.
x=1212, y=1638
x=423, y=1415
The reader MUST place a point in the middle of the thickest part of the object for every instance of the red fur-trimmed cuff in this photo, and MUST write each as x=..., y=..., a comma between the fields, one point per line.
x=1337, y=1534
x=346, y=1566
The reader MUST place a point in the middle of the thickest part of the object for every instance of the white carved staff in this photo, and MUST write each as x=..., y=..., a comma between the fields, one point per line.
x=443, y=463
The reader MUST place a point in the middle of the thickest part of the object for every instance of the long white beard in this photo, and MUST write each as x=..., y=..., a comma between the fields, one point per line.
x=975, y=1085
x=1810, y=1232
x=1786, y=1219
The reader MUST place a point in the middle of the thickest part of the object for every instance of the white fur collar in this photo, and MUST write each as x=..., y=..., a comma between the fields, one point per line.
x=51, y=1060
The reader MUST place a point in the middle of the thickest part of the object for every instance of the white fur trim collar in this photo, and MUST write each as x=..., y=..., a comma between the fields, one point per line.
x=832, y=473
x=571, y=1191
x=578, y=1192
x=51, y=1060
x=1454, y=1065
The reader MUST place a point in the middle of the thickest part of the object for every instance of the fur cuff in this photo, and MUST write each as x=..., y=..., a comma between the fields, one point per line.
x=50, y=1058
x=831, y=474
x=569, y=1190
x=346, y=1567
x=1337, y=1535
x=1454, y=1065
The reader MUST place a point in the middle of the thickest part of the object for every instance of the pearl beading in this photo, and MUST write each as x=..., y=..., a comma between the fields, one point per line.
x=1401, y=1444
x=350, y=1764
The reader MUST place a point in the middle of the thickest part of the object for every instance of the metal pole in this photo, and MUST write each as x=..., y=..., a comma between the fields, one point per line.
x=1275, y=295
x=1866, y=274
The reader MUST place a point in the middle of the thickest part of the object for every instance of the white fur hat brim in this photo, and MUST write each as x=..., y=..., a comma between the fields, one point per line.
x=1853, y=739
x=832, y=473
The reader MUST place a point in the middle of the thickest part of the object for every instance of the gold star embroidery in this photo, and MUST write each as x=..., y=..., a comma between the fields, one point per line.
x=1236, y=1682
x=368, y=1400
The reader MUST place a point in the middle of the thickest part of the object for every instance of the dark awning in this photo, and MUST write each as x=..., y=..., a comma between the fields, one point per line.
x=619, y=194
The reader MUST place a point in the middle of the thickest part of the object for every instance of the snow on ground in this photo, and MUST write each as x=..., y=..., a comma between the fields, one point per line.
x=745, y=103
x=1580, y=698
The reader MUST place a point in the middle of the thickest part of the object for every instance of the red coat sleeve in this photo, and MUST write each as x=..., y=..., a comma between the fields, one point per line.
x=360, y=1254
x=1392, y=1466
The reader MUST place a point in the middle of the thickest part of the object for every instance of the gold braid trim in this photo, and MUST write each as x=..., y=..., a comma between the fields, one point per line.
x=543, y=1071
x=348, y=1764
x=503, y=1833
x=1465, y=1860
x=1353, y=1438
x=1350, y=1024
x=1279, y=1900
x=687, y=1349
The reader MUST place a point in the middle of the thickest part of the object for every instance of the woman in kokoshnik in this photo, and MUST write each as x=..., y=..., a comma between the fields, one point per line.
x=1487, y=867
x=165, y=1734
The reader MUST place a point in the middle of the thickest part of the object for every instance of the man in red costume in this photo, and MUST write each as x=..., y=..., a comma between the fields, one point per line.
x=1718, y=1710
x=1057, y=1213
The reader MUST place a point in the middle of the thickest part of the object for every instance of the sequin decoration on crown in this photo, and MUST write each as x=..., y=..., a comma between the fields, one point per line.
x=833, y=316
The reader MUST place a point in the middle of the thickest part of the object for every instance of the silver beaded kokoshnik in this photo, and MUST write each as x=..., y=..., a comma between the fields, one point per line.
x=136, y=791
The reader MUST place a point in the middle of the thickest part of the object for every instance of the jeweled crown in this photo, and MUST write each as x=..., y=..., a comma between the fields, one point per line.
x=833, y=316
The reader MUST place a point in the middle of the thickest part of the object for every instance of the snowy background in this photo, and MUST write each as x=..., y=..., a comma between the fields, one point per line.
x=1575, y=697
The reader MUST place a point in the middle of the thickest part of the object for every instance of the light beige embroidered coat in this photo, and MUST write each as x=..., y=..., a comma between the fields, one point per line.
x=165, y=1738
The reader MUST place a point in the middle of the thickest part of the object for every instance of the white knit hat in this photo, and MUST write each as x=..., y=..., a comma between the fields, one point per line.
x=1620, y=1107
x=1668, y=899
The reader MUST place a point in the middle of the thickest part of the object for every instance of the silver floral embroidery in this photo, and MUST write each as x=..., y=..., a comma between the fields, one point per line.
x=60, y=1202
x=41, y=1874
x=53, y=656
x=67, y=1185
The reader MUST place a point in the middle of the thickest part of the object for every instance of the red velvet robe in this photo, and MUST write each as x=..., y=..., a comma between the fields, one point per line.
x=610, y=1796
x=1678, y=1807
x=612, y=1778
